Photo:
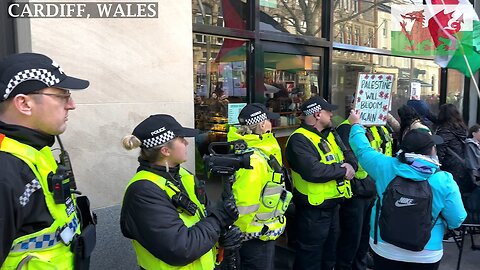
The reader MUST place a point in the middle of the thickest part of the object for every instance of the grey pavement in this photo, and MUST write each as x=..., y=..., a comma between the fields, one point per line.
x=113, y=251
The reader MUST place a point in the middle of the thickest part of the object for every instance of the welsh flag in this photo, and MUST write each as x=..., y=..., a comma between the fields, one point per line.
x=455, y=49
x=446, y=29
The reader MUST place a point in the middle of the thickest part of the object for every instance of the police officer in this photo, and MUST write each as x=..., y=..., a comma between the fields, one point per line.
x=259, y=192
x=355, y=213
x=321, y=180
x=163, y=212
x=39, y=226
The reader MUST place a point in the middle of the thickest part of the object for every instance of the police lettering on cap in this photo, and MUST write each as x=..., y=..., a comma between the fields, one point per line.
x=316, y=104
x=255, y=113
x=419, y=142
x=26, y=73
x=159, y=129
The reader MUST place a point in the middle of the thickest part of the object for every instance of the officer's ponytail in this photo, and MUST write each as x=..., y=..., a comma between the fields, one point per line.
x=151, y=155
x=244, y=129
x=130, y=142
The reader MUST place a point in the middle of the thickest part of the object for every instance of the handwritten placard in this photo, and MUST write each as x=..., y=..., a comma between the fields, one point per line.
x=373, y=97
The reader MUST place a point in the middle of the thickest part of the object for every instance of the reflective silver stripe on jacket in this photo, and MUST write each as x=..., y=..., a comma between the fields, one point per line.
x=30, y=188
x=267, y=216
x=243, y=210
x=45, y=240
x=277, y=189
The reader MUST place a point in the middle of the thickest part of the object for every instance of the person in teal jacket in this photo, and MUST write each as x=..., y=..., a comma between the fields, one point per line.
x=416, y=160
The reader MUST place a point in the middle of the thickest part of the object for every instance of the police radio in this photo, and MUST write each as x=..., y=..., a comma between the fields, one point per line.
x=65, y=161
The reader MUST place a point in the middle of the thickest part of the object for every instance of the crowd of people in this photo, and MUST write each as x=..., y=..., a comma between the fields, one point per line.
x=391, y=190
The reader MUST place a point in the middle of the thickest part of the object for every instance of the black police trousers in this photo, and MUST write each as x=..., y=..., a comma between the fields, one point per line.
x=352, y=245
x=256, y=254
x=317, y=232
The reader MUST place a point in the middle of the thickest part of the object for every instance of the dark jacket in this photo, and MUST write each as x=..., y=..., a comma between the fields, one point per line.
x=303, y=157
x=149, y=216
x=17, y=220
x=453, y=139
x=360, y=187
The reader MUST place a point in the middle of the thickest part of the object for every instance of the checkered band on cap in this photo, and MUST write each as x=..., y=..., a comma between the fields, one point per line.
x=42, y=75
x=255, y=120
x=313, y=110
x=158, y=140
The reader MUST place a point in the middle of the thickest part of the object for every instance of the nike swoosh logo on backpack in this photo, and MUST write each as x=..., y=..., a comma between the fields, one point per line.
x=401, y=204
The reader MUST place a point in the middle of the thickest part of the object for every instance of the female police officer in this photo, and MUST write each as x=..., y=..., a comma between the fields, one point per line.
x=259, y=192
x=161, y=211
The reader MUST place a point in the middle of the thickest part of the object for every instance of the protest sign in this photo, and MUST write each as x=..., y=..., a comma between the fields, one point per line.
x=373, y=97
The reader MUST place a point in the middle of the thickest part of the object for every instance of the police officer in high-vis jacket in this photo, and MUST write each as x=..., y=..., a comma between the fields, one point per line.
x=39, y=219
x=259, y=192
x=163, y=210
x=321, y=180
x=352, y=246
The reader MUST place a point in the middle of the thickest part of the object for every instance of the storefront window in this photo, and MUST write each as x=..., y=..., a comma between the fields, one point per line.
x=298, y=17
x=427, y=76
x=372, y=19
x=224, y=13
x=455, y=85
x=289, y=79
x=219, y=76
x=408, y=72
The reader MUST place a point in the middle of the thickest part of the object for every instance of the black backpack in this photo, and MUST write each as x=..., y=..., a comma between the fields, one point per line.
x=405, y=219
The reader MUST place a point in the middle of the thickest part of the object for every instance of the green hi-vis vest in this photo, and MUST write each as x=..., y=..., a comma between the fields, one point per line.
x=383, y=140
x=45, y=249
x=148, y=261
x=376, y=144
x=260, y=217
x=317, y=193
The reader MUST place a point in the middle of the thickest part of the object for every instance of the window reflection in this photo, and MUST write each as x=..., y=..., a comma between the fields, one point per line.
x=372, y=19
x=219, y=74
x=219, y=69
x=289, y=80
x=455, y=85
x=298, y=17
x=224, y=13
x=347, y=65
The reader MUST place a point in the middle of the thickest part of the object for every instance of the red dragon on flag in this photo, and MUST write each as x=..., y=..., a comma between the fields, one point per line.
x=447, y=29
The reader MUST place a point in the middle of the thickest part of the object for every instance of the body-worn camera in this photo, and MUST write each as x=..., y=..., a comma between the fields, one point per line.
x=59, y=185
x=227, y=163
x=181, y=200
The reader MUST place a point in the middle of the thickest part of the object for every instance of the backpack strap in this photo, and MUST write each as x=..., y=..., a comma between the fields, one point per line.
x=450, y=150
x=377, y=217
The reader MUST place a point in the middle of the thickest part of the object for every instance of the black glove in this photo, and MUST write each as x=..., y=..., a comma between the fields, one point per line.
x=231, y=238
x=225, y=211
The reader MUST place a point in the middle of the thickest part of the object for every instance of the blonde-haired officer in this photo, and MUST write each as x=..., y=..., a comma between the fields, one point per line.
x=161, y=212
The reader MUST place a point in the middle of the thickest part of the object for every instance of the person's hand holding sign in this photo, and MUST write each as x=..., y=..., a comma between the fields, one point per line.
x=354, y=117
